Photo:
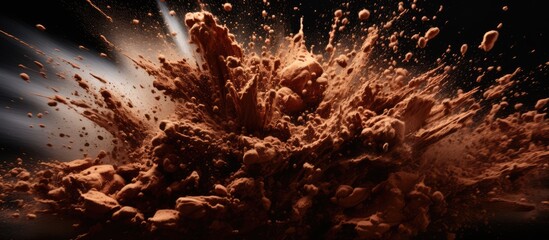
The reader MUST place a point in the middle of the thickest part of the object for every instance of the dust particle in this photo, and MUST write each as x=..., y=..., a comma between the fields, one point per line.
x=227, y=7
x=40, y=27
x=338, y=13
x=489, y=40
x=364, y=14
x=24, y=76
x=463, y=49
x=432, y=33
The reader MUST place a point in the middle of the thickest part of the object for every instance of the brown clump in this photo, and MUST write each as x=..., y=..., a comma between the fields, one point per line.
x=463, y=49
x=432, y=33
x=99, y=10
x=489, y=40
x=227, y=7
x=40, y=27
x=96, y=204
x=364, y=14
x=24, y=76
x=541, y=103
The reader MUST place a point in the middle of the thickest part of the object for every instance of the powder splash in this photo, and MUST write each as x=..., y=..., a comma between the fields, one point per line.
x=287, y=143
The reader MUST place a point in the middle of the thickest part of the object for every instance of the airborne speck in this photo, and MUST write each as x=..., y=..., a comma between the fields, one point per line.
x=40, y=27
x=227, y=7
x=364, y=14
x=489, y=40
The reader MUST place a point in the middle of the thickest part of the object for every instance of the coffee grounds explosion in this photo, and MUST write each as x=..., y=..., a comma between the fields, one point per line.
x=292, y=144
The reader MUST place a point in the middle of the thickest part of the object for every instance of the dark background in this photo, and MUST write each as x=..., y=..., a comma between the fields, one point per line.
x=523, y=42
x=525, y=24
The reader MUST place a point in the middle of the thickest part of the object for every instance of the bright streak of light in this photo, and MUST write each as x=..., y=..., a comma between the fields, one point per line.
x=123, y=79
x=174, y=26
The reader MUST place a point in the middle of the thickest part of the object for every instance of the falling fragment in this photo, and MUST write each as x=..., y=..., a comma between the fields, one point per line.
x=100, y=11
x=422, y=42
x=489, y=40
x=24, y=76
x=541, y=103
x=39, y=64
x=432, y=33
x=227, y=7
x=109, y=43
x=338, y=13
x=364, y=14
x=408, y=56
x=40, y=27
x=463, y=49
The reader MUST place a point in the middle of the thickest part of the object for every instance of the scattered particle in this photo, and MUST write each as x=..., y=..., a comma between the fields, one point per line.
x=38, y=64
x=489, y=40
x=432, y=33
x=541, y=103
x=40, y=27
x=227, y=7
x=518, y=106
x=422, y=42
x=338, y=13
x=100, y=11
x=463, y=49
x=408, y=56
x=109, y=43
x=24, y=76
x=364, y=14
x=401, y=7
